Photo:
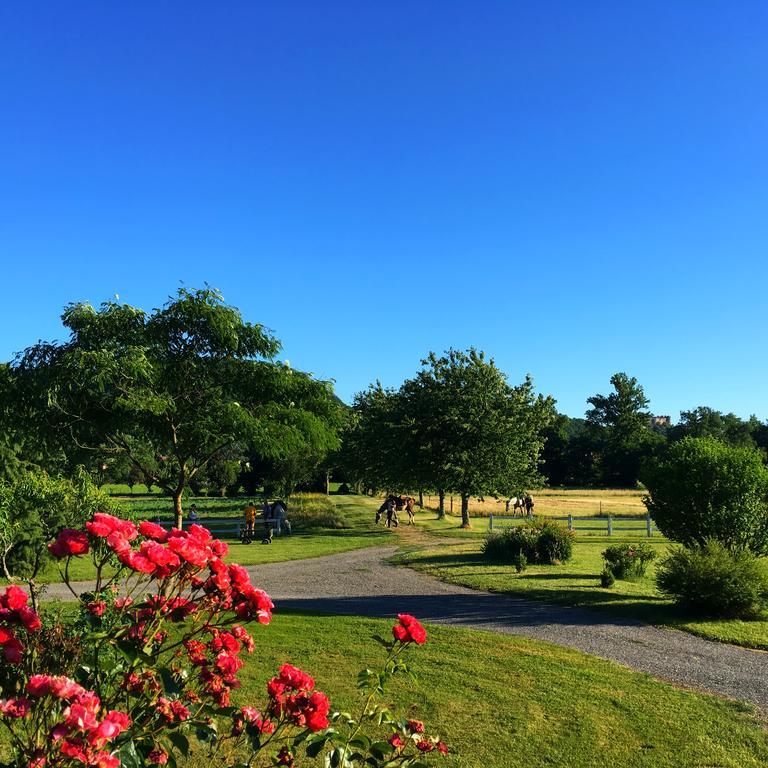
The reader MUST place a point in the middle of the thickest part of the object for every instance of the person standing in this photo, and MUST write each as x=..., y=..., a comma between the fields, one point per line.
x=250, y=522
x=529, y=504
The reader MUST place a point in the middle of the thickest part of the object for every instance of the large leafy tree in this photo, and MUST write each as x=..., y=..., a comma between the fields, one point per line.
x=171, y=389
x=621, y=426
x=372, y=452
x=481, y=437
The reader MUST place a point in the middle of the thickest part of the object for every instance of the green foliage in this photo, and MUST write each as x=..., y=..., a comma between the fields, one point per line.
x=540, y=541
x=715, y=581
x=621, y=431
x=607, y=579
x=708, y=422
x=457, y=426
x=171, y=390
x=705, y=489
x=34, y=509
x=628, y=561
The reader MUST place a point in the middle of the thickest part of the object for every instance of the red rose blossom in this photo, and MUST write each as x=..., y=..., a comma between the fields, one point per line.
x=409, y=630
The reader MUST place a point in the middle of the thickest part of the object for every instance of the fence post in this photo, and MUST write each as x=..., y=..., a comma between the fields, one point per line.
x=570, y=522
x=648, y=524
x=610, y=525
x=490, y=522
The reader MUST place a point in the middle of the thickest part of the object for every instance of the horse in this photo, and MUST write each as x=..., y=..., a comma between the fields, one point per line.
x=517, y=502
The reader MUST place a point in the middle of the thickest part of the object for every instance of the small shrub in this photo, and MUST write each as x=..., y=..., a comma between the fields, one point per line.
x=714, y=581
x=628, y=561
x=607, y=579
x=520, y=563
x=536, y=541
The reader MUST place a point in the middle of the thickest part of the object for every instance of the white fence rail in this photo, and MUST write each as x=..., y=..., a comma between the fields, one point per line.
x=607, y=524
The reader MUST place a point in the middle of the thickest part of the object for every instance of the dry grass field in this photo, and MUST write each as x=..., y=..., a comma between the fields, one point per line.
x=581, y=502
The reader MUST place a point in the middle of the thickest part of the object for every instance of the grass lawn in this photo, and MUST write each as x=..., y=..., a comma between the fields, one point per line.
x=502, y=702
x=314, y=542
x=460, y=561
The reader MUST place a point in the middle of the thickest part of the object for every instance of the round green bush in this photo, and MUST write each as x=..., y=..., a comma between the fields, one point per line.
x=705, y=489
x=628, y=561
x=716, y=582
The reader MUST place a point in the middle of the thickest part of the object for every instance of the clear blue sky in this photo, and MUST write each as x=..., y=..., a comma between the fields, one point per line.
x=576, y=187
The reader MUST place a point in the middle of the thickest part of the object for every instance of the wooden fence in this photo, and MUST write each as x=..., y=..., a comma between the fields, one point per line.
x=606, y=525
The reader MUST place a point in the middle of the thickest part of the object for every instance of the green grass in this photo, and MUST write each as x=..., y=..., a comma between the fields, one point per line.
x=507, y=702
x=574, y=583
x=312, y=542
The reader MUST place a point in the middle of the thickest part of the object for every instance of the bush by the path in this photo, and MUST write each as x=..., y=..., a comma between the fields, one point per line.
x=705, y=489
x=534, y=541
x=628, y=561
x=715, y=581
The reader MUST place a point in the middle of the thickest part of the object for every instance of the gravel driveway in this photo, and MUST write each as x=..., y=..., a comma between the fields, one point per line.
x=362, y=583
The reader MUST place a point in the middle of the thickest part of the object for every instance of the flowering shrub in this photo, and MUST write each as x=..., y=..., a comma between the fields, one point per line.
x=628, y=561
x=160, y=643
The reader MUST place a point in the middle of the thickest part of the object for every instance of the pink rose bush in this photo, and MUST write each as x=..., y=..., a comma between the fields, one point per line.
x=159, y=645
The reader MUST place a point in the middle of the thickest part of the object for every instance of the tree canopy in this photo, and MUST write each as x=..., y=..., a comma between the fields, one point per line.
x=172, y=389
x=457, y=426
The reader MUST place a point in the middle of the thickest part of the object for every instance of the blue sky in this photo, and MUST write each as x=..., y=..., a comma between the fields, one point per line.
x=577, y=188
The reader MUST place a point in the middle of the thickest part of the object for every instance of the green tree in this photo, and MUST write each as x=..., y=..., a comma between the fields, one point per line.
x=704, y=489
x=482, y=437
x=707, y=422
x=621, y=426
x=170, y=389
x=371, y=452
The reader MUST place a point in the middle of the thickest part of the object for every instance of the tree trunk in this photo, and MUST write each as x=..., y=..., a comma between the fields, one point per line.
x=464, y=510
x=327, y=483
x=441, y=504
x=421, y=499
x=177, y=510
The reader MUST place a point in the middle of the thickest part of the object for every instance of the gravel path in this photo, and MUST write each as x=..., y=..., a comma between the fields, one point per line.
x=362, y=583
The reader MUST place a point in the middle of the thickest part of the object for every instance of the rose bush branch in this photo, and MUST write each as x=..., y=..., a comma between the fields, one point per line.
x=153, y=664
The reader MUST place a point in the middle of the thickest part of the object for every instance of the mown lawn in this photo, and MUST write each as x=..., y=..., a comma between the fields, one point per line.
x=503, y=702
x=460, y=561
x=314, y=542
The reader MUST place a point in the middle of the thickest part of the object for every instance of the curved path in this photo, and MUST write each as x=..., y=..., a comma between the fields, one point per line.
x=362, y=583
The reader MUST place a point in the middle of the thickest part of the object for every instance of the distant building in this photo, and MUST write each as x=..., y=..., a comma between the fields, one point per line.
x=660, y=421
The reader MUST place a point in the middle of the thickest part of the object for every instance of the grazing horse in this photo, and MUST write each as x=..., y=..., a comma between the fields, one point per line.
x=516, y=502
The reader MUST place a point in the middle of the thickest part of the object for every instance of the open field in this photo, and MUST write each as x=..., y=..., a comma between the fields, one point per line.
x=581, y=502
x=506, y=702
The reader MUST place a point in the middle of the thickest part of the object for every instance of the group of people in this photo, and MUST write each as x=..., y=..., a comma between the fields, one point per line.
x=274, y=516
x=394, y=504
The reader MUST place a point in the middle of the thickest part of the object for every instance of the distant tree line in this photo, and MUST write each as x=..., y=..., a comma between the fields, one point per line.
x=609, y=447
